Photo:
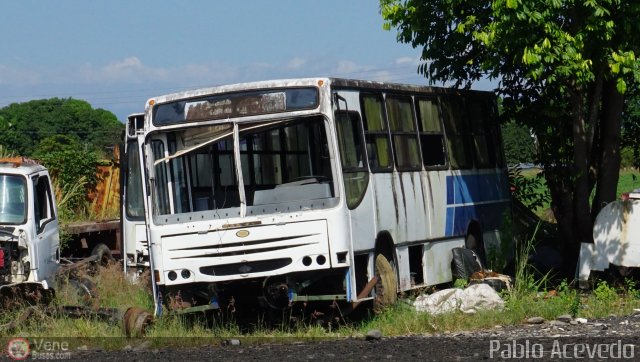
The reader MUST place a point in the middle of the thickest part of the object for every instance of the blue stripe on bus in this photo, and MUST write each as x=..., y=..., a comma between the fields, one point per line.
x=450, y=188
x=463, y=194
x=464, y=189
x=450, y=218
x=489, y=215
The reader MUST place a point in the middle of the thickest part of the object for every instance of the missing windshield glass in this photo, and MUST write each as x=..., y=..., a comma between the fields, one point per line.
x=285, y=161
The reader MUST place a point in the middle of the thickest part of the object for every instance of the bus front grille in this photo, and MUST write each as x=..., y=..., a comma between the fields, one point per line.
x=246, y=267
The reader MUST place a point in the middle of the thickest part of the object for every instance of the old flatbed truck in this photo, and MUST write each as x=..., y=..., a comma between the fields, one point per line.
x=29, y=235
x=30, y=252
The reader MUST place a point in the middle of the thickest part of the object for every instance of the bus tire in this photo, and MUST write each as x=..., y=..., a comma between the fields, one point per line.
x=387, y=285
x=102, y=254
x=136, y=321
x=475, y=244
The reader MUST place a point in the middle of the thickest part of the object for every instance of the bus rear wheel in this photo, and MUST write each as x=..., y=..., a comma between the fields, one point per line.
x=387, y=285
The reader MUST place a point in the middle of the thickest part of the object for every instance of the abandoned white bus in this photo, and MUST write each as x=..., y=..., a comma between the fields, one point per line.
x=316, y=190
x=135, y=253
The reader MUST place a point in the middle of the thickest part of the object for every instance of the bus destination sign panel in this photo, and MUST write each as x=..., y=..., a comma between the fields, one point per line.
x=235, y=105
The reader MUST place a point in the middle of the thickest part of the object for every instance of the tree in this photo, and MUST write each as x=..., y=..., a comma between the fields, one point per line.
x=631, y=129
x=69, y=163
x=518, y=143
x=24, y=125
x=67, y=136
x=564, y=67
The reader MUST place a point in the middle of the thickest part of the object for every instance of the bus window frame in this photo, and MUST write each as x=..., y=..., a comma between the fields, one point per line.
x=379, y=134
x=403, y=132
x=463, y=134
x=421, y=132
x=364, y=169
x=486, y=130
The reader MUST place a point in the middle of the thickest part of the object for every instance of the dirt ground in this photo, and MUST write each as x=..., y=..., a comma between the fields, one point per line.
x=614, y=338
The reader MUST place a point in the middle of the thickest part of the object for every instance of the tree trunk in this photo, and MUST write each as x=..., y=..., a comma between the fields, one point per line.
x=609, y=170
x=561, y=205
x=595, y=144
x=582, y=217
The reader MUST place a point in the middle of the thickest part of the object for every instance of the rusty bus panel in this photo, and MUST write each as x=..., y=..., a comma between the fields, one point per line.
x=105, y=199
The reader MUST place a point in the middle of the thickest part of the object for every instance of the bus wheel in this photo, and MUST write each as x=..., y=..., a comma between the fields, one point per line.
x=475, y=244
x=136, y=321
x=387, y=285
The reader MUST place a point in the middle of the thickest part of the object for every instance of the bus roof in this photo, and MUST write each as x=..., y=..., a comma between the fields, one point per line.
x=305, y=82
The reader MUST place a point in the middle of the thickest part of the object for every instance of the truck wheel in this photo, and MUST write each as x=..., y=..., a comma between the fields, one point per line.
x=102, y=253
x=387, y=285
x=136, y=321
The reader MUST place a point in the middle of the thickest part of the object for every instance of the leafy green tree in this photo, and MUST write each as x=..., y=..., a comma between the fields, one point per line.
x=68, y=162
x=564, y=67
x=24, y=125
x=519, y=146
x=67, y=136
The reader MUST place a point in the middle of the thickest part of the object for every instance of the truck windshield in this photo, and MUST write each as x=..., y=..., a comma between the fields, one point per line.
x=13, y=199
x=282, y=162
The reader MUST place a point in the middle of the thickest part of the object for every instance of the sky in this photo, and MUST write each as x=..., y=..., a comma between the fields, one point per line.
x=116, y=54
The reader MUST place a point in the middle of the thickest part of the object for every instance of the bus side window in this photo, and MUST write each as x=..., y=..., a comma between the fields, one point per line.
x=457, y=133
x=352, y=156
x=494, y=129
x=162, y=193
x=481, y=128
x=431, y=134
x=133, y=178
x=376, y=133
x=404, y=135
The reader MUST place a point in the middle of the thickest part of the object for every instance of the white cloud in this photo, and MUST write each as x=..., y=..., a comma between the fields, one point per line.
x=128, y=70
x=296, y=63
x=133, y=70
x=408, y=61
x=346, y=67
x=125, y=84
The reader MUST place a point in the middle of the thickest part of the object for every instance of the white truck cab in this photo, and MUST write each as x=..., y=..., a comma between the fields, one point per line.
x=29, y=235
x=616, y=239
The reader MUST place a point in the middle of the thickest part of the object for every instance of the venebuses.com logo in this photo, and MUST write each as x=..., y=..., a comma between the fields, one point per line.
x=38, y=348
x=18, y=349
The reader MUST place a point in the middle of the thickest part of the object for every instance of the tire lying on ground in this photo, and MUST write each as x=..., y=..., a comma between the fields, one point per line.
x=387, y=287
x=102, y=254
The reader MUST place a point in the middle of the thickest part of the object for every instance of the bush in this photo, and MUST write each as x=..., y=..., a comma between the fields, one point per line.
x=69, y=165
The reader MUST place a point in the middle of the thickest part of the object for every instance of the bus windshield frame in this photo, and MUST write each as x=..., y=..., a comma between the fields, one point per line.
x=281, y=162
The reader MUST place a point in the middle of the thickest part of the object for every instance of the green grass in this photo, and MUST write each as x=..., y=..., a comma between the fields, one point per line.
x=629, y=180
x=115, y=291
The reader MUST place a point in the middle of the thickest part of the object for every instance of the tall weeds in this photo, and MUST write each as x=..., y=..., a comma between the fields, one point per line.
x=526, y=281
x=5, y=153
x=65, y=199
